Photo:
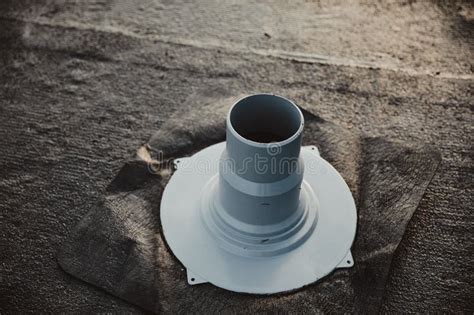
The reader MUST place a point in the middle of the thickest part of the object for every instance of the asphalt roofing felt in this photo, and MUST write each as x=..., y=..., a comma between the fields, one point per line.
x=84, y=85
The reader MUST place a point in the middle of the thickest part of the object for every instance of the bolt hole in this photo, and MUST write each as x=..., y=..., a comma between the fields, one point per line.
x=349, y=262
x=312, y=148
x=192, y=279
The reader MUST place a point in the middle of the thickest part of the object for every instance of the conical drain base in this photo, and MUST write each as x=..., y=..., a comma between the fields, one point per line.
x=258, y=259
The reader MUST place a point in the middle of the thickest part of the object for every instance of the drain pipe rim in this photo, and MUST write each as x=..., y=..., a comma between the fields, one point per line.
x=234, y=132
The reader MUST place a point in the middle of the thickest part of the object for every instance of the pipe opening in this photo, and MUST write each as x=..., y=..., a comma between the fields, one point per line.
x=266, y=118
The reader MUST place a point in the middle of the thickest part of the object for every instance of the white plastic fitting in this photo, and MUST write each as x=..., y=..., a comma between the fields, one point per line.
x=265, y=215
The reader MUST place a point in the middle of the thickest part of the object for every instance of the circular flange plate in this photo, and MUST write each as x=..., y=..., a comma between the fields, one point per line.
x=327, y=248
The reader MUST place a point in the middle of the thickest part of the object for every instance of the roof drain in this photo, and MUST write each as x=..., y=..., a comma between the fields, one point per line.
x=259, y=213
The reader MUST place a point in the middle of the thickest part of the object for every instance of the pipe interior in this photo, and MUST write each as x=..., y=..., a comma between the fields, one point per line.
x=265, y=118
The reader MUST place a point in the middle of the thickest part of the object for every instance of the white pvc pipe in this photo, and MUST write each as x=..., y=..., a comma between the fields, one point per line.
x=261, y=170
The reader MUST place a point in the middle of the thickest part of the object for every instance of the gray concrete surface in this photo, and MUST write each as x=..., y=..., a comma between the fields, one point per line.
x=83, y=84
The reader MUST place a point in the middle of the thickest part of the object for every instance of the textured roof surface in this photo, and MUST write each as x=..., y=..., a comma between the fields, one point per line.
x=83, y=85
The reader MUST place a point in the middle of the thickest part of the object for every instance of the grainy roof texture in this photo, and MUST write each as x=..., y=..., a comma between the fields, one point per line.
x=83, y=85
